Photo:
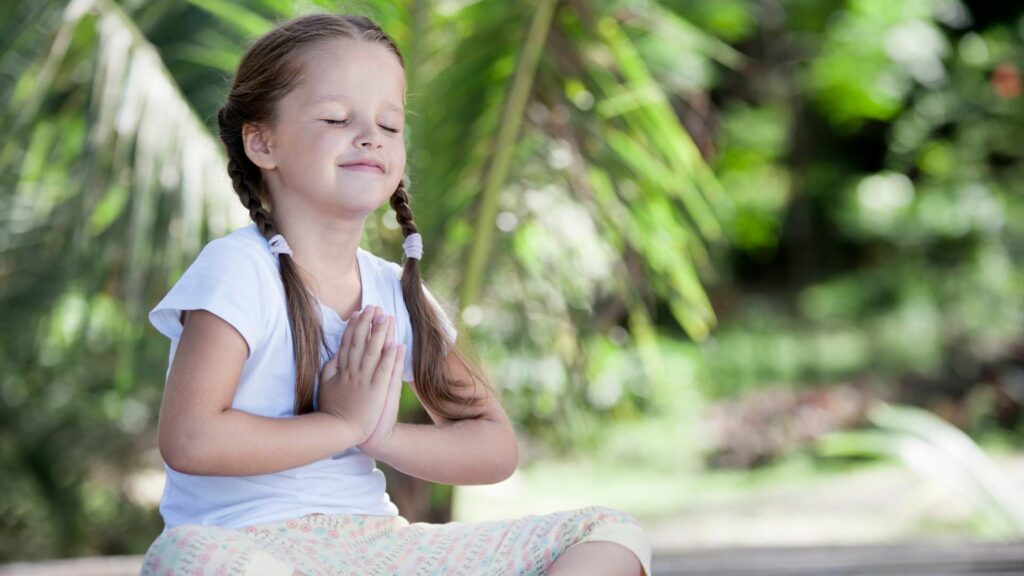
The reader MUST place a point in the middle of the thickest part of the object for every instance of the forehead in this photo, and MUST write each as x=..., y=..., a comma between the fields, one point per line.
x=351, y=71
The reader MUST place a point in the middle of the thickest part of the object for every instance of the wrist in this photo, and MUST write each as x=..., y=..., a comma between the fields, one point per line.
x=349, y=435
x=382, y=449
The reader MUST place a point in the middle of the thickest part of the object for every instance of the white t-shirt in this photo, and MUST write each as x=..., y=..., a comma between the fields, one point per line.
x=238, y=279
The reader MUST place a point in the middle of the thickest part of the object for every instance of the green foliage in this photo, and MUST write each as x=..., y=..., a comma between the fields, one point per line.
x=876, y=186
x=114, y=181
x=701, y=198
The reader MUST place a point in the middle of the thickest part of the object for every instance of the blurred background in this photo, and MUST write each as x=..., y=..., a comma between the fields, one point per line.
x=749, y=270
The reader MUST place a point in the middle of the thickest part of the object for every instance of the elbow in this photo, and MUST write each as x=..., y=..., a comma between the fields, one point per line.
x=179, y=451
x=514, y=460
x=510, y=462
x=497, y=464
x=176, y=458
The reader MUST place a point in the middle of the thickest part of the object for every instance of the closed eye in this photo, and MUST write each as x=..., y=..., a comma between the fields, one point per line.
x=342, y=122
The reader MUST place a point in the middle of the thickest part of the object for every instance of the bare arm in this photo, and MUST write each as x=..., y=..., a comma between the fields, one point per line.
x=476, y=451
x=482, y=450
x=199, y=432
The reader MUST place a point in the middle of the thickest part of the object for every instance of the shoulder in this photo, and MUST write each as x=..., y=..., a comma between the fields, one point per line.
x=238, y=259
x=242, y=249
x=234, y=277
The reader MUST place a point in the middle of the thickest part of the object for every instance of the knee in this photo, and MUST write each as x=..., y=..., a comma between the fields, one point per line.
x=606, y=515
x=600, y=519
x=613, y=525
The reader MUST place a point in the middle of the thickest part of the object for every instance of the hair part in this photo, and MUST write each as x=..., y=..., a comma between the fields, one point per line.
x=270, y=68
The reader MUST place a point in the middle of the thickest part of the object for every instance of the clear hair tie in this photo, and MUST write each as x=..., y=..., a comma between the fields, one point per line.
x=413, y=246
x=278, y=245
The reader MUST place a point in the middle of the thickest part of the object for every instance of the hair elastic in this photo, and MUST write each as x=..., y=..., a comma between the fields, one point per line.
x=278, y=245
x=413, y=246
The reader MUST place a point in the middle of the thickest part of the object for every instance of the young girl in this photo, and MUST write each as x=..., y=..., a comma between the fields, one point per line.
x=290, y=343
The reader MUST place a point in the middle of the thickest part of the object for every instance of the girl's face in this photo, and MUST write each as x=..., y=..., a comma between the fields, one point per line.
x=348, y=108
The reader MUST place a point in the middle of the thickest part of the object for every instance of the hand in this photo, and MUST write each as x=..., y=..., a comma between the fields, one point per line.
x=376, y=444
x=354, y=384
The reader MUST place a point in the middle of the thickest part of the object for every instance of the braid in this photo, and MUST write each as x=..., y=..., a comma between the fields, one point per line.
x=400, y=204
x=435, y=385
x=257, y=213
x=243, y=173
x=307, y=332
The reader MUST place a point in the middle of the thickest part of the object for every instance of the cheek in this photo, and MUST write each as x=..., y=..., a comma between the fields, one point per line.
x=314, y=154
x=397, y=168
x=399, y=159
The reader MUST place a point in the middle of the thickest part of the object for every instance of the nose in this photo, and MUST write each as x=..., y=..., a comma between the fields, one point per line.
x=369, y=136
x=368, y=140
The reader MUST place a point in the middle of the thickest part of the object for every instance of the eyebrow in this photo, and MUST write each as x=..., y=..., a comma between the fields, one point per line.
x=340, y=98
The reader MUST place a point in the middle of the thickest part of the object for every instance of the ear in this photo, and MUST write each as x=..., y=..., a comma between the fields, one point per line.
x=258, y=140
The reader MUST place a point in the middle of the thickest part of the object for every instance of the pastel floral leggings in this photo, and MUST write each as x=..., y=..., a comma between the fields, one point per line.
x=343, y=544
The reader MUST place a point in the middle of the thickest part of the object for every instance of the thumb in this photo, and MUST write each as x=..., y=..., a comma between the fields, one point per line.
x=331, y=367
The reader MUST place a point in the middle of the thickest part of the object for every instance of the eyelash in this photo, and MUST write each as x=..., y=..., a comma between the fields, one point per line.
x=340, y=122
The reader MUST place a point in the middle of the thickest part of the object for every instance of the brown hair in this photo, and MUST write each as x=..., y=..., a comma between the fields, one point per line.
x=270, y=69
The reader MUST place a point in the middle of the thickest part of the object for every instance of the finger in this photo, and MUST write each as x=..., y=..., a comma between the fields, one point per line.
x=378, y=337
x=329, y=370
x=394, y=395
x=389, y=336
x=393, y=362
x=346, y=339
x=398, y=367
x=358, y=341
x=391, y=329
x=382, y=372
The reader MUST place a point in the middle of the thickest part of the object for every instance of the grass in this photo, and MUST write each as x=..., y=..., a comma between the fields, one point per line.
x=801, y=499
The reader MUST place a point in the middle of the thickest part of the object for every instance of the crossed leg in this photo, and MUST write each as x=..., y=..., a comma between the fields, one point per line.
x=596, y=558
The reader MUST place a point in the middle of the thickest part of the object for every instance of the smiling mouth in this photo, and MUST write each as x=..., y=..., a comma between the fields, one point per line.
x=364, y=168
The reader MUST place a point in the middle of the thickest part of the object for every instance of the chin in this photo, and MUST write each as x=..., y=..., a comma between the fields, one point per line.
x=362, y=209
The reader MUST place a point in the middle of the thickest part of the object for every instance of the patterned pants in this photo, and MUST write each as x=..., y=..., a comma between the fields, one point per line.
x=343, y=544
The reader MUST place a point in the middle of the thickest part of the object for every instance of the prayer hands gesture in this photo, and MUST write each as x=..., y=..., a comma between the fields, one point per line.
x=362, y=383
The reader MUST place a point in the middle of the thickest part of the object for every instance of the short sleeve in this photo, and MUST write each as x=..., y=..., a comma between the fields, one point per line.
x=224, y=279
x=407, y=336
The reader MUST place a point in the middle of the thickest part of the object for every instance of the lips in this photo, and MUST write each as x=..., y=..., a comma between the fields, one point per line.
x=365, y=166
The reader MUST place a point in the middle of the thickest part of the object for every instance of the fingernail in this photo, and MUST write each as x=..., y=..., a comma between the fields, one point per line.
x=380, y=319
